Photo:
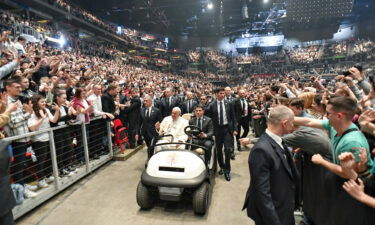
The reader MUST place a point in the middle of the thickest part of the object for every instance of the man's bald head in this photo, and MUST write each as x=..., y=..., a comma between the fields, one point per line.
x=228, y=91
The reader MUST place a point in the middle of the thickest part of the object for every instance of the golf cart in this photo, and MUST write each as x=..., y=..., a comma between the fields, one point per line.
x=173, y=173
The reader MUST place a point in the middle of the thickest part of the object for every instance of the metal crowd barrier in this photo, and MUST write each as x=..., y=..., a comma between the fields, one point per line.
x=92, y=150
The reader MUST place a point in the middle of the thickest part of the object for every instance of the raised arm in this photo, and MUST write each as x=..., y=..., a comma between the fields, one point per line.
x=308, y=122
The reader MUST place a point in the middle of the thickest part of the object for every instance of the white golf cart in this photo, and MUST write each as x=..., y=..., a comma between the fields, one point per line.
x=173, y=173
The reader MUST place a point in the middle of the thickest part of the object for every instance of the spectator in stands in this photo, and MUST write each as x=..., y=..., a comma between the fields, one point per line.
x=17, y=126
x=63, y=137
x=7, y=67
x=82, y=112
x=96, y=101
x=297, y=105
x=40, y=120
x=6, y=110
x=20, y=45
x=345, y=136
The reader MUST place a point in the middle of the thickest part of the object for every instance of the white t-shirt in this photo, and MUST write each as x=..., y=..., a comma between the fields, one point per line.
x=62, y=114
x=45, y=125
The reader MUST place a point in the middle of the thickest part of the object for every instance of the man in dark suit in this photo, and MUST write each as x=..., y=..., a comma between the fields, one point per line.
x=229, y=96
x=167, y=103
x=225, y=127
x=132, y=113
x=189, y=104
x=206, y=125
x=241, y=108
x=7, y=201
x=271, y=197
x=204, y=101
x=149, y=117
x=108, y=102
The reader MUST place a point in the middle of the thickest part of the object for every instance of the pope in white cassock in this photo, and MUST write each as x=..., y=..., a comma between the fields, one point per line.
x=174, y=125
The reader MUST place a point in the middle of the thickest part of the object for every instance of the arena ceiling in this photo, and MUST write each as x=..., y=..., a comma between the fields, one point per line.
x=198, y=18
x=176, y=17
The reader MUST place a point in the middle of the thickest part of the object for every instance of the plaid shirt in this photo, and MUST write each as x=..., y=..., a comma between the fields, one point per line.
x=17, y=124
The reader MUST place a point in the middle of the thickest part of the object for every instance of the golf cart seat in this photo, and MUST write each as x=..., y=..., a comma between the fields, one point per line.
x=200, y=151
x=187, y=116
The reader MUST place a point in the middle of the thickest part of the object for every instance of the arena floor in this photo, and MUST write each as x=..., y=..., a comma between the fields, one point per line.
x=107, y=197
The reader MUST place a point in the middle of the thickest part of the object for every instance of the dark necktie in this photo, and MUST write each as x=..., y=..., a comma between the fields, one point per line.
x=287, y=155
x=188, y=108
x=147, y=113
x=221, y=114
x=200, y=123
x=169, y=101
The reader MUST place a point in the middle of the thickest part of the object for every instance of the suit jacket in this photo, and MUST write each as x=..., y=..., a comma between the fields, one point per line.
x=166, y=109
x=213, y=113
x=147, y=124
x=207, y=126
x=271, y=195
x=7, y=200
x=108, y=103
x=133, y=112
x=237, y=104
x=184, y=106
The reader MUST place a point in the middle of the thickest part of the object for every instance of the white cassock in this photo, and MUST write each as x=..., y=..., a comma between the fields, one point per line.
x=176, y=129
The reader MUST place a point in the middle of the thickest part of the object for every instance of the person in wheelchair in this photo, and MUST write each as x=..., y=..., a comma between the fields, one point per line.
x=172, y=125
x=205, y=124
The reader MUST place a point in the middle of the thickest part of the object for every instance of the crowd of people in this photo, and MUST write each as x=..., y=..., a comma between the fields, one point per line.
x=45, y=87
x=194, y=56
x=217, y=59
x=249, y=59
x=305, y=55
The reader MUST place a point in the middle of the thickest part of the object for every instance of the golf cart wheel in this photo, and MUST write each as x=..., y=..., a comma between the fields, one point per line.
x=144, y=197
x=200, y=199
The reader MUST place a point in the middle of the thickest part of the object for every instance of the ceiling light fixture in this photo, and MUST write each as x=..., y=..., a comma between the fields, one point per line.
x=210, y=6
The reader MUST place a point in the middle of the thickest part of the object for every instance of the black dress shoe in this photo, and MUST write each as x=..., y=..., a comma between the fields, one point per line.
x=227, y=176
x=232, y=157
x=239, y=148
x=221, y=172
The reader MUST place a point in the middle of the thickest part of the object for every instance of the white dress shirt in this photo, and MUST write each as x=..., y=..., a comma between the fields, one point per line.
x=276, y=138
x=97, y=104
x=225, y=119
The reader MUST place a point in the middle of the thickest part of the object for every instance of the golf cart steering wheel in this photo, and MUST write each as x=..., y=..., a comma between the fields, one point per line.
x=192, y=131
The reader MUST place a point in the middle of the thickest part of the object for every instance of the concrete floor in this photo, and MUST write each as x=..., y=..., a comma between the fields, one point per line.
x=107, y=197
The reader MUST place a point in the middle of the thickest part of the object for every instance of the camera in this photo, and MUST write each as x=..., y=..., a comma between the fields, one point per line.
x=358, y=67
x=346, y=73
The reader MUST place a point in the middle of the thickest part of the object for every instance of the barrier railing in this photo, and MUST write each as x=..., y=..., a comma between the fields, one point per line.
x=47, y=168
